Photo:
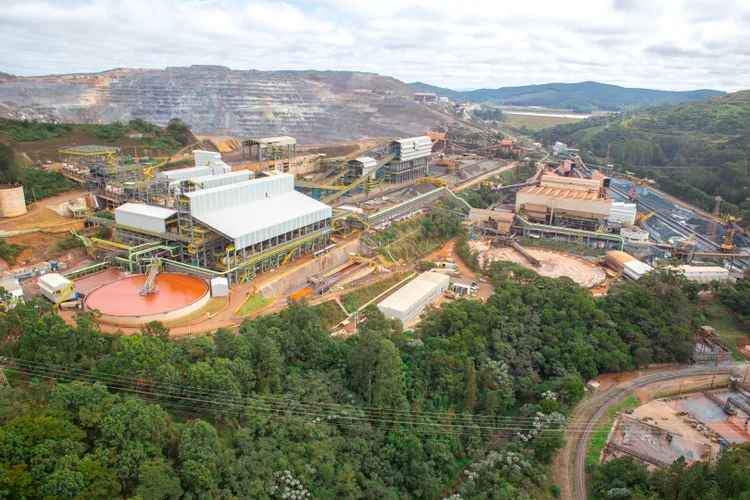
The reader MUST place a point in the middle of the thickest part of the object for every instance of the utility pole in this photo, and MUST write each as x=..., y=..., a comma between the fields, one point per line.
x=4, y=384
x=679, y=393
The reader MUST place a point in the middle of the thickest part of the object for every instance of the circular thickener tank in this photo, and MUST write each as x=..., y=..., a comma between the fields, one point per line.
x=121, y=302
x=12, y=202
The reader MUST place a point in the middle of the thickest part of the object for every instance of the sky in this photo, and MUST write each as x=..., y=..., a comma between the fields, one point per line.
x=661, y=44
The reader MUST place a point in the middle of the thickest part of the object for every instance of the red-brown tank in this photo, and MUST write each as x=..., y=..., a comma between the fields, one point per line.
x=123, y=298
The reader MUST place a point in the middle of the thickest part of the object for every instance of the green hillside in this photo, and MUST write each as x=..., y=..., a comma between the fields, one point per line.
x=713, y=132
x=583, y=97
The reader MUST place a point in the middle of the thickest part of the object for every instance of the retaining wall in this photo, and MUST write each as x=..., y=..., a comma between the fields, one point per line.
x=280, y=285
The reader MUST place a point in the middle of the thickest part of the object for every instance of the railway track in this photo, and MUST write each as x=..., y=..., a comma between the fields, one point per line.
x=678, y=228
x=606, y=400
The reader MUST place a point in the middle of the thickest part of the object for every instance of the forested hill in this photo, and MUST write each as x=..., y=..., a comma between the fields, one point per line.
x=713, y=132
x=583, y=97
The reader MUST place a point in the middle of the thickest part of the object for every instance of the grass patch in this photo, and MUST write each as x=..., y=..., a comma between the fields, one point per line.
x=329, y=312
x=533, y=122
x=717, y=317
x=252, y=304
x=562, y=247
x=599, y=438
x=359, y=297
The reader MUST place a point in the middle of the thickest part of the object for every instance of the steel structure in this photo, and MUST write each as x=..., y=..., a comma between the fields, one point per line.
x=394, y=161
x=271, y=153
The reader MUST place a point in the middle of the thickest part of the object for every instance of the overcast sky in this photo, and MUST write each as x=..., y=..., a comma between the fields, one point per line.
x=663, y=44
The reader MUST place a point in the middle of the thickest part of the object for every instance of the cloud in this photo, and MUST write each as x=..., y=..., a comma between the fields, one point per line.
x=670, y=44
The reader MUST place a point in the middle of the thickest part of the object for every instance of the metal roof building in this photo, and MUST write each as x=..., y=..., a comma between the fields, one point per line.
x=407, y=302
x=257, y=210
x=210, y=181
x=145, y=217
x=705, y=274
x=182, y=174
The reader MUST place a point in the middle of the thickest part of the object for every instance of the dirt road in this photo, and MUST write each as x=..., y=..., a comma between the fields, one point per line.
x=479, y=179
x=18, y=222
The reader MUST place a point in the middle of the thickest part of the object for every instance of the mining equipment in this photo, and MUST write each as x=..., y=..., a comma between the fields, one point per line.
x=449, y=163
x=432, y=180
x=684, y=248
x=632, y=195
x=641, y=218
x=727, y=245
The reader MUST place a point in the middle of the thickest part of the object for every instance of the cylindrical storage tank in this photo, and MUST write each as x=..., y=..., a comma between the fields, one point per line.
x=12, y=202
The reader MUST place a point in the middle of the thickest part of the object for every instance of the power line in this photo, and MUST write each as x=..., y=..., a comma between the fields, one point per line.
x=106, y=378
x=521, y=423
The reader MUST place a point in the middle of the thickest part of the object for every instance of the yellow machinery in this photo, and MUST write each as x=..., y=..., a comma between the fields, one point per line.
x=727, y=245
x=637, y=181
x=432, y=180
x=641, y=218
x=358, y=258
x=445, y=161
x=149, y=172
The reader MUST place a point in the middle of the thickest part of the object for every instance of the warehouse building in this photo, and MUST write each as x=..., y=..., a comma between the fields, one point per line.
x=410, y=300
x=625, y=264
x=705, y=274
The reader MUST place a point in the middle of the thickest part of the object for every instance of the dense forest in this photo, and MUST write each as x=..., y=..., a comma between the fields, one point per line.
x=713, y=133
x=283, y=410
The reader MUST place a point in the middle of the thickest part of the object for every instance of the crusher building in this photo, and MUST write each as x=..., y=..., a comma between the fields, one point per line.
x=566, y=201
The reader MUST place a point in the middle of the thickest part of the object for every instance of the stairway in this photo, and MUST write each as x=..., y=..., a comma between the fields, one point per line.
x=149, y=287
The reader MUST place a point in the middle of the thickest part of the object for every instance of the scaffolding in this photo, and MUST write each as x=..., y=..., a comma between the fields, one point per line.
x=271, y=153
x=87, y=157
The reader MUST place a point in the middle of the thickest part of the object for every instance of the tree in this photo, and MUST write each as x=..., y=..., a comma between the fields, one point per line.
x=157, y=480
x=155, y=329
x=198, y=451
x=179, y=131
x=376, y=371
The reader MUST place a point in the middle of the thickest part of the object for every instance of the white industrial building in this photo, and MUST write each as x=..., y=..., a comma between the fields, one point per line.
x=219, y=287
x=14, y=289
x=636, y=269
x=413, y=148
x=206, y=163
x=257, y=211
x=144, y=217
x=210, y=181
x=410, y=300
x=622, y=213
x=705, y=274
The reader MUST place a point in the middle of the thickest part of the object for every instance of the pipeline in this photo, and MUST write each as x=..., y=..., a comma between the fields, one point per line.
x=526, y=254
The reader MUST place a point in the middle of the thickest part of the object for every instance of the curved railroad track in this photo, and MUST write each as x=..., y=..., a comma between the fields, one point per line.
x=576, y=489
